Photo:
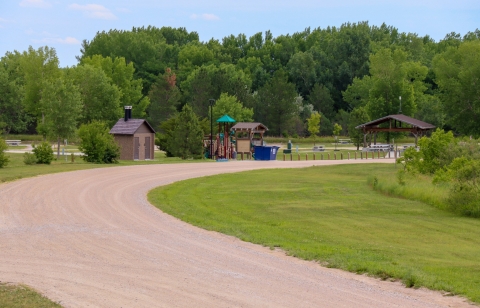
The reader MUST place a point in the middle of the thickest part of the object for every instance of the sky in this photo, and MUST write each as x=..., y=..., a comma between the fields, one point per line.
x=63, y=25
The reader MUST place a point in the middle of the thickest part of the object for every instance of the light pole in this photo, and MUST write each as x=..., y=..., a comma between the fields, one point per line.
x=400, y=110
x=212, y=102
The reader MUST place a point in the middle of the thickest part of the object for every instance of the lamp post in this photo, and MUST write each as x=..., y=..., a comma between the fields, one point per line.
x=212, y=102
x=400, y=110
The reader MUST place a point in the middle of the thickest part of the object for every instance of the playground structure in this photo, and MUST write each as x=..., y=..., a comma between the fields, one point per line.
x=247, y=136
x=222, y=148
x=240, y=139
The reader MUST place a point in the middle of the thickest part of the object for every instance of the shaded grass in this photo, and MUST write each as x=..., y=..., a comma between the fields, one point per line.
x=331, y=215
x=13, y=296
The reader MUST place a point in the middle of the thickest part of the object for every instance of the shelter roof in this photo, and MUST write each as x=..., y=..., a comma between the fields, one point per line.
x=129, y=127
x=249, y=126
x=399, y=117
x=226, y=119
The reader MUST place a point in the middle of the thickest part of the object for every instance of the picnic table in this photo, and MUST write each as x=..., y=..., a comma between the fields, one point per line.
x=378, y=148
x=13, y=142
x=318, y=148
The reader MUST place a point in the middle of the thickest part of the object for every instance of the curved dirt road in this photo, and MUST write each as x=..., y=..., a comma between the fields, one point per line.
x=90, y=239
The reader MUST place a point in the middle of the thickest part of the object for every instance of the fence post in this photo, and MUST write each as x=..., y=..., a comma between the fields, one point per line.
x=341, y=156
x=335, y=156
x=291, y=156
x=321, y=156
x=314, y=158
x=283, y=156
x=306, y=156
x=328, y=156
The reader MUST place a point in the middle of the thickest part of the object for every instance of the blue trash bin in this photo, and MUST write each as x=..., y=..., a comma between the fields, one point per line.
x=266, y=152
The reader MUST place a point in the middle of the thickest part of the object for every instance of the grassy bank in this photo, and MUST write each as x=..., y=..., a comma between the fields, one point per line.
x=22, y=297
x=331, y=214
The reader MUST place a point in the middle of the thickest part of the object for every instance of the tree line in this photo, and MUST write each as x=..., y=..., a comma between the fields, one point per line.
x=348, y=75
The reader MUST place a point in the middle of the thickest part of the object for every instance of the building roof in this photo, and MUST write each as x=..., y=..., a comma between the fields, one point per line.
x=399, y=117
x=226, y=119
x=249, y=126
x=129, y=127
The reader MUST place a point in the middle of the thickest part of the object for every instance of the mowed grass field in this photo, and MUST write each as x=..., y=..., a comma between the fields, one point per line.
x=23, y=297
x=330, y=214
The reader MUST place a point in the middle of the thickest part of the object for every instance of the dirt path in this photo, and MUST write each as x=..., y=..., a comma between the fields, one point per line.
x=90, y=239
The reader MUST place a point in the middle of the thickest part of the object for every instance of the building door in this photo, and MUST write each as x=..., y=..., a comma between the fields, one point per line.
x=147, y=147
x=136, y=148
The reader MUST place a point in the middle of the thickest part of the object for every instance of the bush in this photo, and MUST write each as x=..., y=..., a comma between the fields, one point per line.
x=97, y=145
x=43, y=153
x=29, y=158
x=3, y=157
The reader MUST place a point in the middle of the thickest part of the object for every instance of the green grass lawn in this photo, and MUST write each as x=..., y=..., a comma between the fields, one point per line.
x=22, y=297
x=331, y=214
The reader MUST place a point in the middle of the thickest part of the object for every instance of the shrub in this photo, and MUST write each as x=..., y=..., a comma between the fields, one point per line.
x=44, y=153
x=29, y=158
x=97, y=145
x=3, y=157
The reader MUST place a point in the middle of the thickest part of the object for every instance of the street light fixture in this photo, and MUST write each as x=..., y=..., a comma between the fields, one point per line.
x=400, y=110
x=212, y=102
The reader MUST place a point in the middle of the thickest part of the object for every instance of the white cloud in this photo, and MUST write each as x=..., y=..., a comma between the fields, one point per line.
x=96, y=11
x=67, y=41
x=35, y=3
x=205, y=16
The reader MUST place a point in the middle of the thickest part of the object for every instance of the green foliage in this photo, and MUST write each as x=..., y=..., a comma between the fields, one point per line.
x=164, y=99
x=228, y=104
x=358, y=116
x=3, y=157
x=275, y=103
x=43, y=152
x=431, y=150
x=122, y=76
x=186, y=140
x=100, y=98
x=29, y=158
x=62, y=103
x=457, y=72
x=314, y=125
x=464, y=196
x=97, y=145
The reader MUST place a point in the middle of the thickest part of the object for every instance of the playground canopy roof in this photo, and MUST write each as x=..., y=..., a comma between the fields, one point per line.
x=416, y=125
x=247, y=126
x=226, y=119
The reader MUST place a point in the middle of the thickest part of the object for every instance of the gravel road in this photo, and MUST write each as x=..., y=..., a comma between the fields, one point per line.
x=91, y=239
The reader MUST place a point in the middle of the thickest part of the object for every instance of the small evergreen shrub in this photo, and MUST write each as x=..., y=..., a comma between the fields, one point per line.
x=44, y=153
x=29, y=158
x=3, y=157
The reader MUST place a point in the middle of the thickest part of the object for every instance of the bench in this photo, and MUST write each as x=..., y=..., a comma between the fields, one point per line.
x=344, y=141
x=379, y=148
x=13, y=142
x=318, y=148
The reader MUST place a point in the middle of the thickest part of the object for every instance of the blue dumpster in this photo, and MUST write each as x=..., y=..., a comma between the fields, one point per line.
x=266, y=152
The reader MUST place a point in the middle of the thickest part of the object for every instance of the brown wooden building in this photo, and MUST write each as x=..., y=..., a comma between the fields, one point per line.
x=135, y=137
x=248, y=135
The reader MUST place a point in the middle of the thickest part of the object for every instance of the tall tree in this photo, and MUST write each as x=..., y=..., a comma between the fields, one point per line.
x=322, y=101
x=458, y=76
x=39, y=68
x=62, y=103
x=101, y=98
x=228, y=104
x=12, y=114
x=187, y=138
x=164, y=98
x=358, y=116
x=314, y=125
x=122, y=75
x=275, y=105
